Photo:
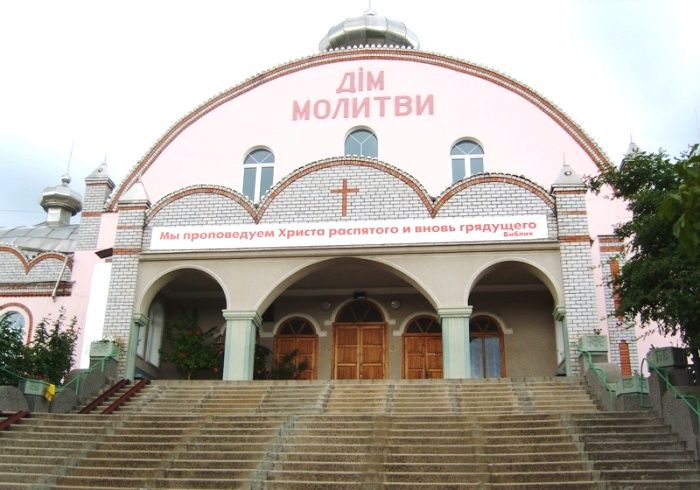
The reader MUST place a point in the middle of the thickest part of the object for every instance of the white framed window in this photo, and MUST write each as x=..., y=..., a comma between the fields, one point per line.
x=466, y=156
x=258, y=173
x=362, y=142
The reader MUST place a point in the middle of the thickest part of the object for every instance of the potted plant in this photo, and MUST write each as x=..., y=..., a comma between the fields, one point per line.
x=105, y=347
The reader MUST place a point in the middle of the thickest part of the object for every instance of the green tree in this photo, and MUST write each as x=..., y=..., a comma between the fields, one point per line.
x=190, y=348
x=50, y=353
x=683, y=205
x=659, y=283
x=11, y=351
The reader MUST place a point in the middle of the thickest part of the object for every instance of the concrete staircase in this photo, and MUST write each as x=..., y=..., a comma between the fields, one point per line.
x=496, y=434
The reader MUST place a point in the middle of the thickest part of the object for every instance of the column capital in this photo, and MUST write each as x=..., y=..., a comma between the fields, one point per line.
x=251, y=316
x=140, y=320
x=559, y=313
x=455, y=312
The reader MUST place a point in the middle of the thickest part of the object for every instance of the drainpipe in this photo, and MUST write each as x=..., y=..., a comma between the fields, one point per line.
x=58, y=281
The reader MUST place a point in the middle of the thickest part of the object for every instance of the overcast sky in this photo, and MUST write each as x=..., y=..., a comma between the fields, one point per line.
x=109, y=78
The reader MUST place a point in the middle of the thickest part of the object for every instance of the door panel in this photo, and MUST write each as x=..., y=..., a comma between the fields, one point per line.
x=359, y=351
x=306, y=351
x=372, y=360
x=422, y=356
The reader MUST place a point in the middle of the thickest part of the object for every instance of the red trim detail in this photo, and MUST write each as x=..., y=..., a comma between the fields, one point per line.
x=29, y=264
x=490, y=178
x=202, y=189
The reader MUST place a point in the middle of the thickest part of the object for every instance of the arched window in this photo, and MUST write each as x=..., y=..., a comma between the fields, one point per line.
x=362, y=142
x=486, y=348
x=15, y=320
x=359, y=311
x=466, y=155
x=258, y=172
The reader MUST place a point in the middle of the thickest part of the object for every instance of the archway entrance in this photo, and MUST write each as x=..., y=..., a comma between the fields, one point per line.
x=187, y=305
x=512, y=330
x=422, y=348
x=359, y=342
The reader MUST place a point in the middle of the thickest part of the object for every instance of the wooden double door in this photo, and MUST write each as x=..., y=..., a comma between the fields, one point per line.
x=359, y=351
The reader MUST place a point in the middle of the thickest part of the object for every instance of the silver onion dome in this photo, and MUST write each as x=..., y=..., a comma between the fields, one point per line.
x=367, y=30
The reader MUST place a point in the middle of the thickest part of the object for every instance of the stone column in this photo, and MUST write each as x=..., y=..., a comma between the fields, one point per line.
x=562, y=334
x=455, y=342
x=239, y=351
x=576, y=260
x=138, y=321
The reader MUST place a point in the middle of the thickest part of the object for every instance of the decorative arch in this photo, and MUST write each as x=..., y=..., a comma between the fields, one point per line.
x=28, y=265
x=366, y=53
x=231, y=194
x=145, y=299
x=316, y=264
x=487, y=178
x=375, y=164
x=554, y=289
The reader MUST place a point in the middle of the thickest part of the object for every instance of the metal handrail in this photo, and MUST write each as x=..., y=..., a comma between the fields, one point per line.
x=13, y=418
x=680, y=396
x=126, y=396
x=20, y=377
x=602, y=375
x=111, y=391
x=79, y=377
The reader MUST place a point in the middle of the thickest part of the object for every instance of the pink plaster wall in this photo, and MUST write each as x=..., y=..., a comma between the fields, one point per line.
x=517, y=136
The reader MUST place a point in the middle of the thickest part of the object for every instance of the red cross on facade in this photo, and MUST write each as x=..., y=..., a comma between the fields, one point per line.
x=344, y=191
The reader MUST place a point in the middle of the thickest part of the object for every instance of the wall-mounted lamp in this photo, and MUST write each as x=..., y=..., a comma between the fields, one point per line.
x=395, y=304
x=325, y=305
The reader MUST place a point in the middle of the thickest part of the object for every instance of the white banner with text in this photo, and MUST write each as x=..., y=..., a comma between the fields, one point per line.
x=342, y=233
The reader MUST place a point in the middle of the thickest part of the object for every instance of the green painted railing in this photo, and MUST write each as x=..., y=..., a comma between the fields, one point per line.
x=602, y=375
x=19, y=377
x=75, y=382
x=694, y=407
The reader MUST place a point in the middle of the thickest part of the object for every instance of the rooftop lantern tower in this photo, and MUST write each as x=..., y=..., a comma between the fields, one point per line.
x=61, y=202
x=369, y=29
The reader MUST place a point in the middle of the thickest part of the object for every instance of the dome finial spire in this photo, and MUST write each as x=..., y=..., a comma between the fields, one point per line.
x=369, y=29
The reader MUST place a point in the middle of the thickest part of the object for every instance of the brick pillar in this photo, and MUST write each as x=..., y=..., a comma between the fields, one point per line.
x=619, y=331
x=455, y=342
x=98, y=187
x=125, y=266
x=576, y=261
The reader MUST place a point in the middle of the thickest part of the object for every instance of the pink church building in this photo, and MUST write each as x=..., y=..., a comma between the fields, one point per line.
x=385, y=211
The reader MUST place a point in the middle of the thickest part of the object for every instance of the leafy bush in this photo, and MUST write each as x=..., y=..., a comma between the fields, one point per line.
x=49, y=356
x=11, y=351
x=191, y=348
